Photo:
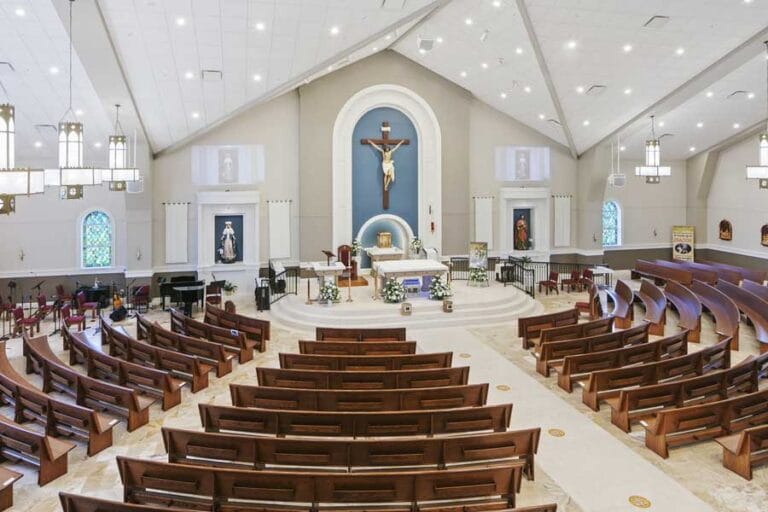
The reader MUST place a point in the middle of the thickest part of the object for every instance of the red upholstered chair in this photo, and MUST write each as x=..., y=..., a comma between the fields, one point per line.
x=21, y=324
x=551, y=283
x=587, y=278
x=573, y=283
x=62, y=295
x=345, y=256
x=42, y=306
x=141, y=297
x=213, y=294
x=69, y=319
x=83, y=306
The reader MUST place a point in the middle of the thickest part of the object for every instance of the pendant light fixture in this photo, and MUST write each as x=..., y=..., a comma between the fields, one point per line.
x=653, y=170
x=119, y=173
x=760, y=172
x=14, y=181
x=71, y=175
x=616, y=178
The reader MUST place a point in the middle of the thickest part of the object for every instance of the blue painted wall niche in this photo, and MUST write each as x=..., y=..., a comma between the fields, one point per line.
x=367, y=178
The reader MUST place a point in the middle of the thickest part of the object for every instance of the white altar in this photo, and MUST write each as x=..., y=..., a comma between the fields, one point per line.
x=378, y=254
x=405, y=268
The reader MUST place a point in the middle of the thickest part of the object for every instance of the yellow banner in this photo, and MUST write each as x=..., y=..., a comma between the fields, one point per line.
x=682, y=243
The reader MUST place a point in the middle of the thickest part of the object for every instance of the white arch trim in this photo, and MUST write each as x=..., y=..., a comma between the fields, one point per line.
x=429, y=159
x=405, y=228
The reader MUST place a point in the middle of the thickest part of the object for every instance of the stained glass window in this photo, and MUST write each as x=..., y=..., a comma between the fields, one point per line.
x=611, y=224
x=97, y=240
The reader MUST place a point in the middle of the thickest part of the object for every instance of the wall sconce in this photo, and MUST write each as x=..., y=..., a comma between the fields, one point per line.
x=655, y=233
x=138, y=254
x=21, y=254
x=594, y=237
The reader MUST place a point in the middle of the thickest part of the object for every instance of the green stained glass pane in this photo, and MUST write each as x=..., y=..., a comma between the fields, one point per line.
x=97, y=240
x=610, y=224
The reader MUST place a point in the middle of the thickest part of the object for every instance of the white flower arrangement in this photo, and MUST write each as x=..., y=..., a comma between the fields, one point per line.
x=416, y=245
x=393, y=291
x=478, y=275
x=439, y=289
x=329, y=292
x=355, y=247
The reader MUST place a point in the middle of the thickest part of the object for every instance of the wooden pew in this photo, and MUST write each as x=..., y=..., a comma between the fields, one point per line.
x=19, y=444
x=161, y=483
x=366, y=363
x=396, y=379
x=655, y=303
x=608, y=383
x=182, y=366
x=255, y=329
x=59, y=418
x=216, y=418
x=149, y=381
x=552, y=353
x=723, y=309
x=530, y=327
x=644, y=402
x=570, y=332
x=231, y=339
x=237, y=451
x=594, y=305
x=661, y=273
x=355, y=348
x=744, y=450
x=723, y=274
x=622, y=297
x=211, y=353
x=688, y=308
x=753, y=306
x=701, y=272
x=416, y=399
x=758, y=276
x=578, y=367
x=758, y=289
x=87, y=391
x=673, y=427
x=359, y=334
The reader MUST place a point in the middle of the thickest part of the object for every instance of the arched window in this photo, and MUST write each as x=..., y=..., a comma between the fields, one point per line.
x=611, y=224
x=97, y=240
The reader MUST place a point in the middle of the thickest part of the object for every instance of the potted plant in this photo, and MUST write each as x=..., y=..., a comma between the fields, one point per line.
x=329, y=293
x=229, y=288
x=439, y=289
x=478, y=275
x=393, y=291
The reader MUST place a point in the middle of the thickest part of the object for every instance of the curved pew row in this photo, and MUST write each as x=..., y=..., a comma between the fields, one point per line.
x=161, y=483
x=746, y=449
x=569, y=332
x=19, y=444
x=359, y=334
x=661, y=273
x=59, y=418
x=758, y=289
x=87, y=391
x=655, y=304
x=231, y=340
x=416, y=399
x=395, y=379
x=608, y=383
x=355, y=348
x=688, y=308
x=156, y=383
x=256, y=330
x=622, y=297
x=754, y=307
x=365, y=363
x=216, y=418
x=530, y=327
x=757, y=276
x=182, y=366
x=700, y=272
x=723, y=274
x=578, y=367
x=645, y=402
x=723, y=309
x=237, y=451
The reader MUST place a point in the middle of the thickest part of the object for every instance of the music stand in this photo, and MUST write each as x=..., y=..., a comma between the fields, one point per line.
x=328, y=256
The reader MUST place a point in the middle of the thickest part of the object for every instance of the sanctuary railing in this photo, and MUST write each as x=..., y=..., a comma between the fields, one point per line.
x=283, y=281
x=541, y=270
x=519, y=275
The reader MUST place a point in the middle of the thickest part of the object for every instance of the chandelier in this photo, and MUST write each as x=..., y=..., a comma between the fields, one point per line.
x=760, y=172
x=653, y=170
x=118, y=173
x=71, y=175
x=14, y=181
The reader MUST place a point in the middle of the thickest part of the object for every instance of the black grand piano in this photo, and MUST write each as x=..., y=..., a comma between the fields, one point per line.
x=177, y=296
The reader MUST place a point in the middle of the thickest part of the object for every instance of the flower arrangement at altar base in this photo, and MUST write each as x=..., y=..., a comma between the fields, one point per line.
x=393, y=291
x=329, y=292
x=478, y=275
x=355, y=247
x=439, y=288
x=416, y=245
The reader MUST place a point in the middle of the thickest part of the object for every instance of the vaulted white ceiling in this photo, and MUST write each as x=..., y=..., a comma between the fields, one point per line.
x=189, y=64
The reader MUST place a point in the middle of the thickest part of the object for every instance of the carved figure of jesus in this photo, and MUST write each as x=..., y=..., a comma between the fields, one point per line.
x=387, y=164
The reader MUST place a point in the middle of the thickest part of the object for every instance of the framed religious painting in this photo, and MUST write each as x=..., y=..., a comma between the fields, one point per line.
x=522, y=229
x=764, y=235
x=725, y=230
x=228, y=241
x=478, y=255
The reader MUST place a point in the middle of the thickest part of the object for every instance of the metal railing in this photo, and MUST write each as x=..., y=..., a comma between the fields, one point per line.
x=283, y=283
x=518, y=275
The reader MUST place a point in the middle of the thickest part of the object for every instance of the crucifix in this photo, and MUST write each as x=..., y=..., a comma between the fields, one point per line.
x=384, y=146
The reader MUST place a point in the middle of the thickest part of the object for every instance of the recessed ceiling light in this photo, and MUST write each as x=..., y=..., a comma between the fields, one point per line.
x=680, y=50
x=463, y=74
x=180, y=22
x=484, y=65
x=750, y=95
x=38, y=144
x=468, y=21
x=747, y=1
x=53, y=70
x=542, y=116
x=260, y=26
x=699, y=125
x=503, y=95
x=79, y=112
x=330, y=68
x=422, y=51
x=519, y=50
x=571, y=44
x=586, y=122
x=195, y=115
x=692, y=149
x=20, y=12
x=497, y=3
x=627, y=91
x=736, y=126
x=627, y=48
x=580, y=89
x=388, y=37
x=97, y=145
x=257, y=77
x=662, y=123
x=375, y=49
x=439, y=39
x=334, y=30
x=710, y=94
x=527, y=88
x=622, y=148
x=189, y=75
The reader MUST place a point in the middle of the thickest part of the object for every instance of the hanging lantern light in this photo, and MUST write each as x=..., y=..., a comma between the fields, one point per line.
x=760, y=172
x=14, y=181
x=653, y=171
x=119, y=173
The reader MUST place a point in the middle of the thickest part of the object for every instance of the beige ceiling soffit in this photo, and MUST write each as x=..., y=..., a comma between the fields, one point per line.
x=736, y=138
x=711, y=74
x=293, y=83
x=547, y=76
x=122, y=74
x=438, y=6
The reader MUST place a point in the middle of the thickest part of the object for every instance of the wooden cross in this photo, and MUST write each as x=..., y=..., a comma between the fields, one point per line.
x=385, y=143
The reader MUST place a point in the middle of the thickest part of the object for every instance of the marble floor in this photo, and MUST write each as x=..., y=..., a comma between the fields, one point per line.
x=584, y=463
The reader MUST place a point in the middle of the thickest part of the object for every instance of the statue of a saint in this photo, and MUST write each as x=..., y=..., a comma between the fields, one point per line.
x=228, y=244
x=521, y=234
x=387, y=164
